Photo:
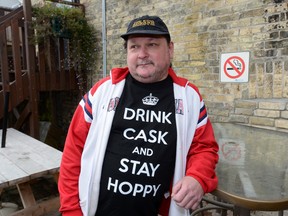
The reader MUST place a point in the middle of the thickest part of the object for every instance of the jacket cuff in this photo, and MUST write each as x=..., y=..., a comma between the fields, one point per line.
x=77, y=212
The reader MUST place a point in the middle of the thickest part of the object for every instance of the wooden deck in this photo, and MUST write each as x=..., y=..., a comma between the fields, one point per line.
x=23, y=159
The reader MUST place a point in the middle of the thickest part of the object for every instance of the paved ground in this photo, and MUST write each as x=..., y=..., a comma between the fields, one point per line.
x=46, y=187
x=43, y=188
x=52, y=214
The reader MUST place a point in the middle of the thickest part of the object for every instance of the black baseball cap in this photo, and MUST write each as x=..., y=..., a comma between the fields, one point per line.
x=148, y=25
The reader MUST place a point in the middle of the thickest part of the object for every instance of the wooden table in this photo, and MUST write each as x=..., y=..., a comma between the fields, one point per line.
x=22, y=160
x=252, y=168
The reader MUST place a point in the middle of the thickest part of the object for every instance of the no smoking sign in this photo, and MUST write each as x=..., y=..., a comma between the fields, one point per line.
x=232, y=151
x=234, y=67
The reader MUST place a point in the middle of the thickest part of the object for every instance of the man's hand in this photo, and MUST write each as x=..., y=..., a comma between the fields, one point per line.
x=187, y=193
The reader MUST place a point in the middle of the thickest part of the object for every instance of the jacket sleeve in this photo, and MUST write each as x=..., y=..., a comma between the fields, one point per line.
x=203, y=157
x=70, y=165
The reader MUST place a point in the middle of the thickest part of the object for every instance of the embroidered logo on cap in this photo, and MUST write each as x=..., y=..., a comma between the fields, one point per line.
x=144, y=23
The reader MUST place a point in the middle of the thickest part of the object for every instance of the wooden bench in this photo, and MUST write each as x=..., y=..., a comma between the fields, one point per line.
x=22, y=160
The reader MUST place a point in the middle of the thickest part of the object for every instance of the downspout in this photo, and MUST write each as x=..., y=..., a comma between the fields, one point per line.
x=104, y=38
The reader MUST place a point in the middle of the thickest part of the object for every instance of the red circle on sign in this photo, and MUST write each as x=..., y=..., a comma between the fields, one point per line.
x=234, y=67
x=231, y=151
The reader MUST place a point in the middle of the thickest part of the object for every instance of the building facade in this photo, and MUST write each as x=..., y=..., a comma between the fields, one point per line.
x=204, y=30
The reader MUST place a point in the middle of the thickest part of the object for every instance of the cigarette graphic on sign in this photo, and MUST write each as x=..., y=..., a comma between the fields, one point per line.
x=236, y=63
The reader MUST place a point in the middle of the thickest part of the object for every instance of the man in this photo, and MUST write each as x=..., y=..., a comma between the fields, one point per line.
x=140, y=141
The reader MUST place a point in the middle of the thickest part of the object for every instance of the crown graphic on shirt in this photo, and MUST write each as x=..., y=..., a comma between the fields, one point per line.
x=150, y=100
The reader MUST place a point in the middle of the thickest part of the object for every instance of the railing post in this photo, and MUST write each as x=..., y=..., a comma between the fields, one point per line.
x=5, y=119
x=30, y=54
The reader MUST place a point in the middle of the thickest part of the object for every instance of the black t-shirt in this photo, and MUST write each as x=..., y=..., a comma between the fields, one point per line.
x=140, y=156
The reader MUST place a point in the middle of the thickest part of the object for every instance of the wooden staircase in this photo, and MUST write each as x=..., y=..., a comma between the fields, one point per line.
x=26, y=69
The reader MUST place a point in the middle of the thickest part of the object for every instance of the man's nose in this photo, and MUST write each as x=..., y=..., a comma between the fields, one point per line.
x=143, y=53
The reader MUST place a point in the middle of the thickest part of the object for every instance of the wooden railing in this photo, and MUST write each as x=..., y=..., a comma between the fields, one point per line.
x=14, y=71
x=26, y=68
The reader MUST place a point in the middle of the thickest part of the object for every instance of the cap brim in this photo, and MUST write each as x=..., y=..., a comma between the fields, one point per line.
x=143, y=32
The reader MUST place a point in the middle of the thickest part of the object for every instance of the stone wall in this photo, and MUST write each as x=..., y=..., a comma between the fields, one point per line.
x=202, y=30
x=269, y=113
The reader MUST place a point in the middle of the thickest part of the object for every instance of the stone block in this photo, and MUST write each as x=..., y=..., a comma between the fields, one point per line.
x=284, y=114
x=281, y=123
x=276, y=104
x=251, y=104
x=243, y=111
x=267, y=113
x=239, y=119
x=262, y=121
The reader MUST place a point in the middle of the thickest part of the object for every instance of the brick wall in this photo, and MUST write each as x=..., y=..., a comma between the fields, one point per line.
x=270, y=113
x=202, y=30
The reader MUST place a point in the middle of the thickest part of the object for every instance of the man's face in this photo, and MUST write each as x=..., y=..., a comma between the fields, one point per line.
x=149, y=57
